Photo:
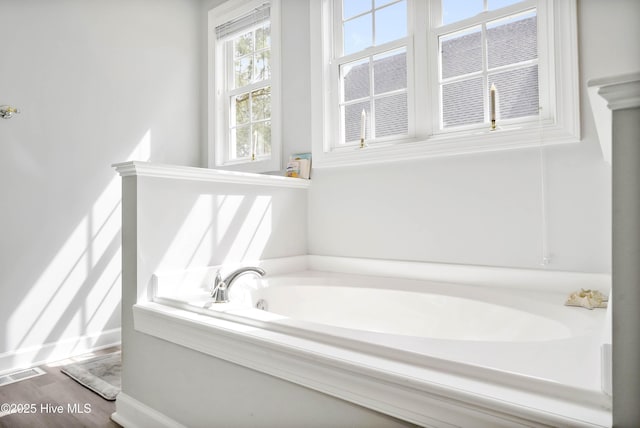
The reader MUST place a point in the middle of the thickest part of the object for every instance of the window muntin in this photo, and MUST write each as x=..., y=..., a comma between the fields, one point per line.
x=244, y=100
x=372, y=69
x=249, y=93
x=557, y=121
x=368, y=23
x=502, y=52
x=456, y=10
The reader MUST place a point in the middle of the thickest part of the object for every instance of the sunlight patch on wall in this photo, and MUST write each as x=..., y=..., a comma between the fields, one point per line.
x=104, y=298
x=142, y=152
x=228, y=207
x=193, y=244
x=41, y=308
x=254, y=233
x=76, y=295
x=105, y=219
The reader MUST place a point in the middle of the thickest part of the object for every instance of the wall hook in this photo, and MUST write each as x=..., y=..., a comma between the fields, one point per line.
x=7, y=112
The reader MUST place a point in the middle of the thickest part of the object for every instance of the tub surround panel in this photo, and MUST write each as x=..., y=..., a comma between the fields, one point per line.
x=428, y=397
x=373, y=369
x=482, y=209
x=215, y=392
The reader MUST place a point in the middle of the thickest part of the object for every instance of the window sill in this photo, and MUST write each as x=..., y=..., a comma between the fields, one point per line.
x=450, y=144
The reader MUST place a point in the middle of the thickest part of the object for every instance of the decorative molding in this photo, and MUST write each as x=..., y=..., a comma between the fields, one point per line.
x=148, y=169
x=620, y=91
x=608, y=94
x=131, y=413
x=416, y=393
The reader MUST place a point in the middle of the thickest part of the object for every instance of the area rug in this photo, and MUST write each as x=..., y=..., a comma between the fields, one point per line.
x=100, y=374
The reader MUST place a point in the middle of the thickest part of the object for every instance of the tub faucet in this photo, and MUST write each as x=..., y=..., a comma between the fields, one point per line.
x=220, y=292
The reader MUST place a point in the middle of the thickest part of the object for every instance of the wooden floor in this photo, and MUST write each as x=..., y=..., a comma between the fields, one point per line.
x=80, y=406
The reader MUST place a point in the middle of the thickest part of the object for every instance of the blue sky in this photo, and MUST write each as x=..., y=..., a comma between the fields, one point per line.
x=391, y=20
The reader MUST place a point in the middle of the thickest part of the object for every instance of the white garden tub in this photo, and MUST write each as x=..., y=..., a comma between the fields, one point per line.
x=486, y=355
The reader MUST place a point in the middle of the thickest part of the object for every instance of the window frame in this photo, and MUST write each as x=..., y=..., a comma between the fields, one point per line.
x=436, y=31
x=558, y=73
x=220, y=70
x=341, y=59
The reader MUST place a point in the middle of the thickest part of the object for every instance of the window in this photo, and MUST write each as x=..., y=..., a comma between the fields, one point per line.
x=423, y=73
x=244, y=131
x=482, y=44
x=372, y=43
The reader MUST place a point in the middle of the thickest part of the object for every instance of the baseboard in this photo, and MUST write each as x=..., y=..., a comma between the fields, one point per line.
x=130, y=413
x=60, y=350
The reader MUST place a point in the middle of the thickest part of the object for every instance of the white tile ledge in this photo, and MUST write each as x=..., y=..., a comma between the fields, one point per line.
x=149, y=169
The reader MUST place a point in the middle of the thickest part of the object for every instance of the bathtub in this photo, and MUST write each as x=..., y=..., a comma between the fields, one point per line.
x=433, y=345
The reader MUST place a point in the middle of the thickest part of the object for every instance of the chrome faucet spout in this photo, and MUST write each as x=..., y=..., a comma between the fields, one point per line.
x=220, y=291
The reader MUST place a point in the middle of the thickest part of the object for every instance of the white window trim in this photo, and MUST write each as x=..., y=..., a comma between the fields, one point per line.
x=406, y=43
x=561, y=124
x=218, y=106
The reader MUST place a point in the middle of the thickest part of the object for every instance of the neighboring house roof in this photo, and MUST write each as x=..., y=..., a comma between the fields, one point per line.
x=463, y=100
x=390, y=74
x=517, y=90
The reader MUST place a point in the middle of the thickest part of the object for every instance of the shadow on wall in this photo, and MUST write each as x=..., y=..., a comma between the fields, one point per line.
x=67, y=308
x=190, y=224
x=222, y=228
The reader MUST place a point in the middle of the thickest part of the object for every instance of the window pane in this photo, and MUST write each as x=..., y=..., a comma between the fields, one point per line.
x=242, y=71
x=390, y=71
x=354, y=7
x=358, y=34
x=262, y=69
x=380, y=3
x=353, y=121
x=261, y=104
x=263, y=37
x=240, y=109
x=240, y=142
x=497, y=4
x=462, y=103
x=517, y=92
x=392, y=116
x=457, y=10
x=512, y=40
x=243, y=45
x=391, y=23
x=356, y=79
x=262, y=131
x=461, y=53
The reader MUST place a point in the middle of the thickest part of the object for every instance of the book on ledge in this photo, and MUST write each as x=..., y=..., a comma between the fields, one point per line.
x=299, y=165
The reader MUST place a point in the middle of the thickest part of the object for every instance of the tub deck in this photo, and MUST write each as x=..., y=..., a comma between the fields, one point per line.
x=431, y=381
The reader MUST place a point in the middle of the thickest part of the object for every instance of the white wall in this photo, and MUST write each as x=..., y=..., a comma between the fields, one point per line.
x=97, y=82
x=486, y=209
x=210, y=224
